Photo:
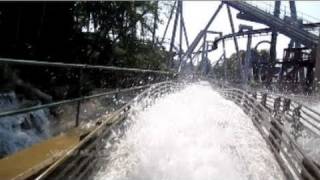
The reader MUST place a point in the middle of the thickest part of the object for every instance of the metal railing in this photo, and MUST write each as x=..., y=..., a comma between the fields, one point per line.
x=269, y=115
x=76, y=101
x=308, y=117
x=284, y=11
x=102, y=126
x=79, y=162
x=79, y=66
x=159, y=76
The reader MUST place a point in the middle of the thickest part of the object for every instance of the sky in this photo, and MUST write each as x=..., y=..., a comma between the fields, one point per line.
x=198, y=13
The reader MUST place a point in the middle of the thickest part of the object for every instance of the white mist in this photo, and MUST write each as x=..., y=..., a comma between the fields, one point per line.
x=192, y=134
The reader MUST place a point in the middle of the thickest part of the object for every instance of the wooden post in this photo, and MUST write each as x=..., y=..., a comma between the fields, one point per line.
x=264, y=99
x=297, y=125
x=235, y=42
x=286, y=104
x=275, y=126
x=310, y=170
x=80, y=84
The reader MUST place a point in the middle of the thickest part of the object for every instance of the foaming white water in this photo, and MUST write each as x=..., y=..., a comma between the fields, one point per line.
x=191, y=134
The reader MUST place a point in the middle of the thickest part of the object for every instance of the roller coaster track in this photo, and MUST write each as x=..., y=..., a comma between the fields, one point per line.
x=255, y=31
x=291, y=30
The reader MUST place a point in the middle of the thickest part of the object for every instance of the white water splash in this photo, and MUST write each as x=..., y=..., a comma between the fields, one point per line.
x=20, y=131
x=191, y=134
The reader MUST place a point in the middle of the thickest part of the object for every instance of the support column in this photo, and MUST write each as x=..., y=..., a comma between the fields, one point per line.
x=247, y=74
x=170, y=59
x=235, y=43
x=273, y=45
x=273, y=53
x=185, y=34
x=155, y=19
x=225, y=63
x=247, y=58
x=181, y=31
x=185, y=31
x=168, y=23
x=286, y=57
x=293, y=14
x=293, y=10
x=202, y=64
x=316, y=80
x=199, y=36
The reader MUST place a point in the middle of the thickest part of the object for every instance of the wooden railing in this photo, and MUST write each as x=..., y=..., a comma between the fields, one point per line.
x=281, y=121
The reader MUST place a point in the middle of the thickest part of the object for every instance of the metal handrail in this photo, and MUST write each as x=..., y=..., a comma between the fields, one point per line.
x=79, y=66
x=93, y=139
x=238, y=100
x=287, y=145
x=305, y=115
x=246, y=101
x=69, y=101
x=306, y=112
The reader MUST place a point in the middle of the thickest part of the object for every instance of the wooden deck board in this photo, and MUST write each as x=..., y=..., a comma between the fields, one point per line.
x=26, y=162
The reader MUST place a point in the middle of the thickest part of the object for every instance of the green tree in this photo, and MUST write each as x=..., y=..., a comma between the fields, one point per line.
x=259, y=64
x=125, y=26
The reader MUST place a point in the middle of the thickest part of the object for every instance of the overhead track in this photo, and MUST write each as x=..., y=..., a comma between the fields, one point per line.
x=291, y=30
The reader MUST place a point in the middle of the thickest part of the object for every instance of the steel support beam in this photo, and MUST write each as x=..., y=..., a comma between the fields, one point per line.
x=185, y=31
x=225, y=63
x=203, y=63
x=273, y=47
x=181, y=30
x=290, y=45
x=235, y=42
x=316, y=80
x=174, y=30
x=196, y=41
x=247, y=59
x=293, y=13
x=293, y=10
x=155, y=19
x=168, y=23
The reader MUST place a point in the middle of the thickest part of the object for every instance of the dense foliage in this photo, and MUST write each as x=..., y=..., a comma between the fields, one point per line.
x=115, y=33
